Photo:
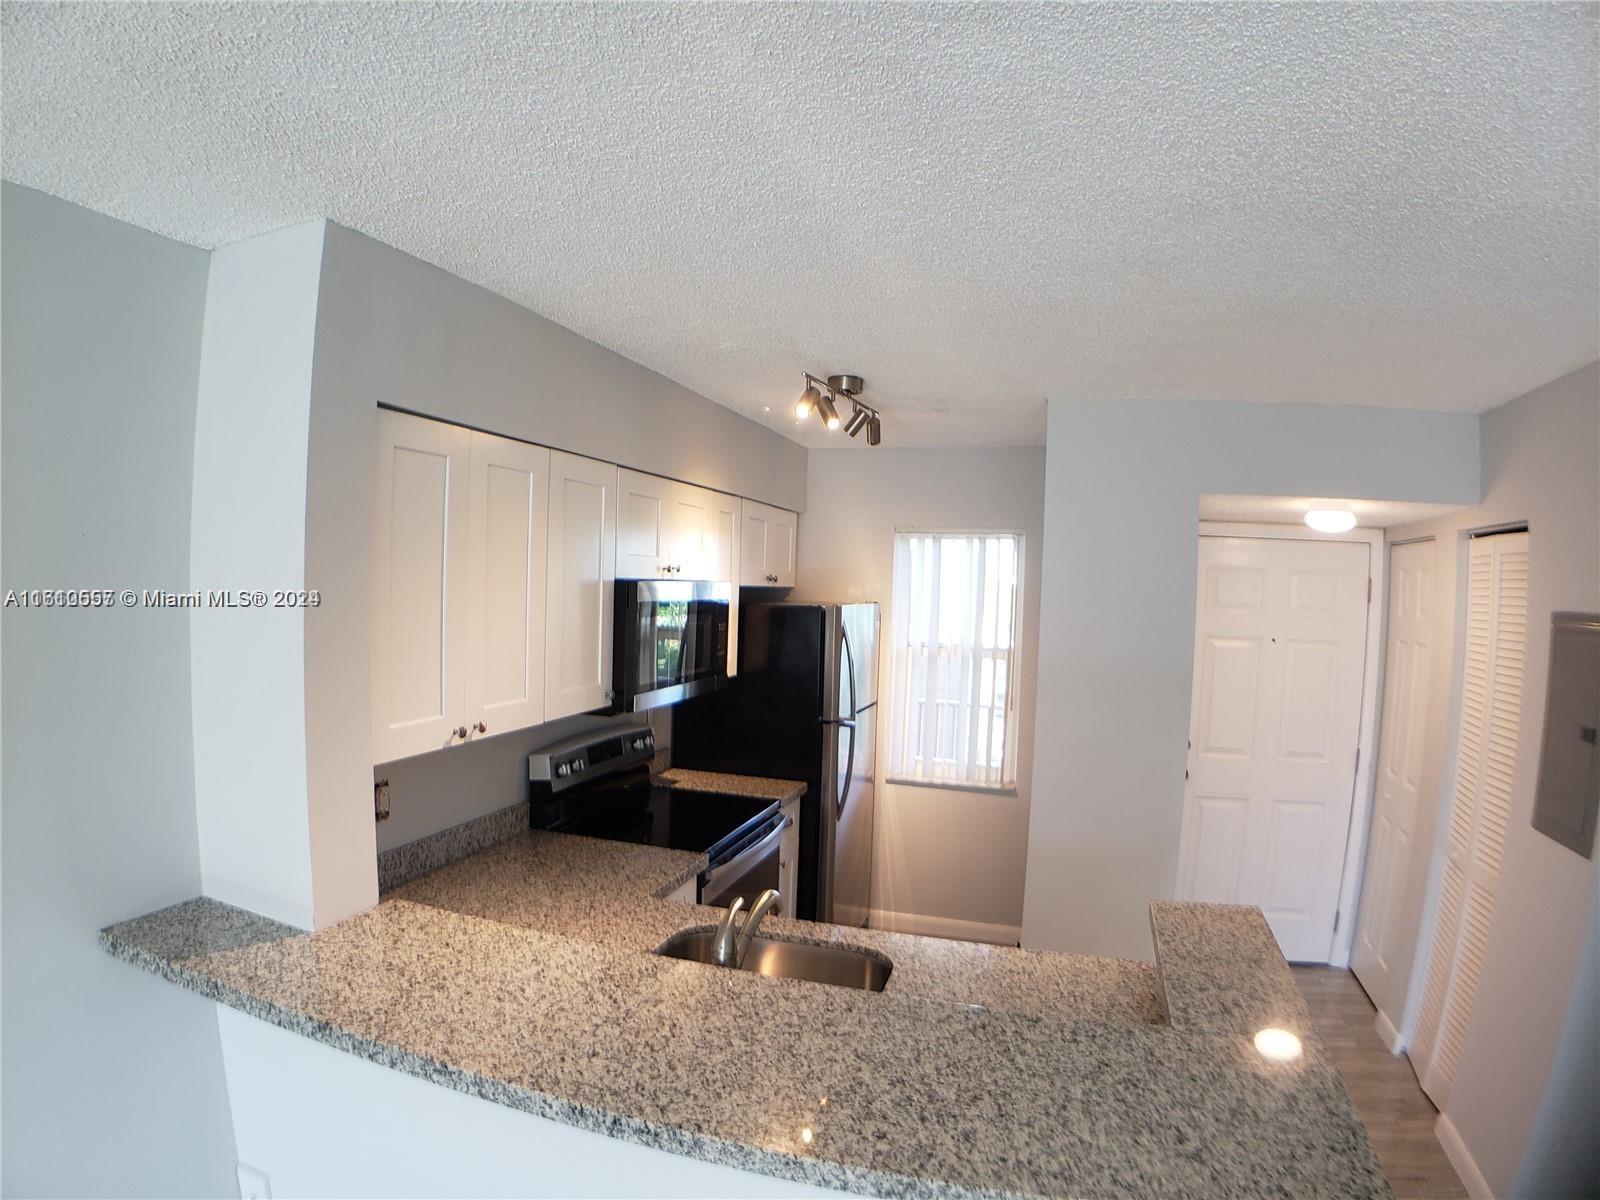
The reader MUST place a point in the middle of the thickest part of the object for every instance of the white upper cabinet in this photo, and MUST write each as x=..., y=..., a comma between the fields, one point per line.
x=672, y=530
x=643, y=536
x=767, y=546
x=508, y=513
x=582, y=554
x=459, y=585
x=420, y=631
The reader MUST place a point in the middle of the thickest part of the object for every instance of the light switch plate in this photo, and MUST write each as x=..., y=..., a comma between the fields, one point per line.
x=253, y=1183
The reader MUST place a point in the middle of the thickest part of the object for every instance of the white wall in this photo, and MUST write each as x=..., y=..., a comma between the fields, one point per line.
x=944, y=861
x=319, y=1122
x=1541, y=465
x=113, y=1082
x=1116, y=649
x=276, y=835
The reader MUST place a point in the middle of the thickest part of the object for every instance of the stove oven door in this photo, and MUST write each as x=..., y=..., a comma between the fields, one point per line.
x=748, y=870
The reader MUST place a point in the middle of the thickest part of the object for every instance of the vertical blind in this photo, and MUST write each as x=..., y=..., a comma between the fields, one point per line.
x=955, y=633
x=1480, y=803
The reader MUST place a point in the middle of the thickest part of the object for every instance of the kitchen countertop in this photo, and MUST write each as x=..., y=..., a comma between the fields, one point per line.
x=522, y=975
x=720, y=783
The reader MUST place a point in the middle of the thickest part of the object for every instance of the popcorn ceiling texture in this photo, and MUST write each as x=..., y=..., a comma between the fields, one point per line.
x=978, y=207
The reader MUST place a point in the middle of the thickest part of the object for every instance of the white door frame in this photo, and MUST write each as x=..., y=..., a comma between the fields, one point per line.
x=1366, y=775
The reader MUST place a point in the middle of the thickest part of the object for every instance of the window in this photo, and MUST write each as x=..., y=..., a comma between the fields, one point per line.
x=955, y=633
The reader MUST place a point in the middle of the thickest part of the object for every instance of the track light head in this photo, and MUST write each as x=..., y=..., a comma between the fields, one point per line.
x=808, y=401
x=830, y=414
x=857, y=422
x=874, y=430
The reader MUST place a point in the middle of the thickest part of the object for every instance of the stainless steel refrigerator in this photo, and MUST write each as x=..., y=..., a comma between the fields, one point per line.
x=802, y=706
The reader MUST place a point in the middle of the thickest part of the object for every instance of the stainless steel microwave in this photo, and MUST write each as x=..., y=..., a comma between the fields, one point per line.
x=671, y=641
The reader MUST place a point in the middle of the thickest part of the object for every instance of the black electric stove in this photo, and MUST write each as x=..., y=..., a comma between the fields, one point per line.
x=599, y=785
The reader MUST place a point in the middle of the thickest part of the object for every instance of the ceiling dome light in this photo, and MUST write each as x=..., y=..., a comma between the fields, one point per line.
x=807, y=402
x=1331, y=520
x=1277, y=1044
x=830, y=414
x=857, y=422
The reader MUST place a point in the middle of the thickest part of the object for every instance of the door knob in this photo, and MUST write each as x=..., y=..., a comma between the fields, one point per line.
x=481, y=727
x=461, y=731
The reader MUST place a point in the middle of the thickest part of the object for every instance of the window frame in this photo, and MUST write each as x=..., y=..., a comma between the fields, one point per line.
x=1009, y=761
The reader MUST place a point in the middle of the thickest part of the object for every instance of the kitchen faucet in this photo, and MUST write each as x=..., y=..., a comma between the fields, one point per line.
x=730, y=945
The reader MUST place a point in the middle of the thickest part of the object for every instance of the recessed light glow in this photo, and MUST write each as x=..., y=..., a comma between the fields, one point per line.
x=806, y=1135
x=1278, y=1044
x=1331, y=520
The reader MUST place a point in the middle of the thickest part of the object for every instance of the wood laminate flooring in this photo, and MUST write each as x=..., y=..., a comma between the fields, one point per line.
x=1398, y=1116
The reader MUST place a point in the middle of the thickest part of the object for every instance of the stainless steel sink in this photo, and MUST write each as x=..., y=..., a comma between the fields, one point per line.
x=842, y=966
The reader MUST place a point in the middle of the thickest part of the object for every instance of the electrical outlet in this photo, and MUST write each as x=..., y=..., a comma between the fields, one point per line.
x=380, y=799
x=253, y=1183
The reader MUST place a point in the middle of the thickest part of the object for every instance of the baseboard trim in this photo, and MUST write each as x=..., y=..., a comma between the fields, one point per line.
x=1461, y=1159
x=1389, y=1035
x=945, y=927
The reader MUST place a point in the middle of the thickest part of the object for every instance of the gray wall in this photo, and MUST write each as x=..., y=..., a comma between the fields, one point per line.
x=1541, y=465
x=1122, y=488
x=399, y=332
x=113, y=1080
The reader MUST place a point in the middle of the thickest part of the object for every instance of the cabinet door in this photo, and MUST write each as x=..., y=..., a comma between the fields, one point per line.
x=781, y=546
x=420, y=632
x=753, y=546
x=768, y=546
x=722, y=538
x=688, y=515
x=643, y=508
x=508, y=509
x=582, y=571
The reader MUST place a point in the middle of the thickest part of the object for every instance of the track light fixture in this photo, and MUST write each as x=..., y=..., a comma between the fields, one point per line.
x=830, y=414
x=807, y=403
x=823, y=398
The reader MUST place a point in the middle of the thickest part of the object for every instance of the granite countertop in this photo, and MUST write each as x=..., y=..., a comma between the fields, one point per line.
x=522, y=975
x=755, y=786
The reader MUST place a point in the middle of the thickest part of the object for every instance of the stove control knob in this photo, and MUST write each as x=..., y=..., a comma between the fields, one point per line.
x=580, y=765
x=563, y=770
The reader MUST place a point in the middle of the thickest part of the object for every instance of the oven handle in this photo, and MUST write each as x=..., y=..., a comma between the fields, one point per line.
x=762, y=839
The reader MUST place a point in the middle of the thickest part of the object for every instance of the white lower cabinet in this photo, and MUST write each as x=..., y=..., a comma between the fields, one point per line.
x=767, y=545
x=582, y=576
x=687, y=892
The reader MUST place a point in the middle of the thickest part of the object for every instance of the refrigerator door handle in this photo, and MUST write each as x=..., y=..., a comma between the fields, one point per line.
x=842, y=722
x=849, y=768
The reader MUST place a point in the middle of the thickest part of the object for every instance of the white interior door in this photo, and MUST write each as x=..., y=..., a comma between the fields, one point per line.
x=508, y=520
x=1280, y=648
x=1480, y=803
x=582, y=565
x=420, y=630
x=1408, y=661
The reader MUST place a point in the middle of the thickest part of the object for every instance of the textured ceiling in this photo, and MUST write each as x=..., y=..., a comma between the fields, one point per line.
x=1292, y=510
x=977, y=207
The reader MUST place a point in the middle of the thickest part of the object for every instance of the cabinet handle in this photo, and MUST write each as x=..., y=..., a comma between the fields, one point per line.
x=461, y=731
x=481, y=727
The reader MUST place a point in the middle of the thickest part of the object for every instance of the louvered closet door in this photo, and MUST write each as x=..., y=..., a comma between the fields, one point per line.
x=1480, y=802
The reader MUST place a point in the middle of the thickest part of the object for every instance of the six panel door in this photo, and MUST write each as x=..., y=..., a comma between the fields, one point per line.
x=1280, y=641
